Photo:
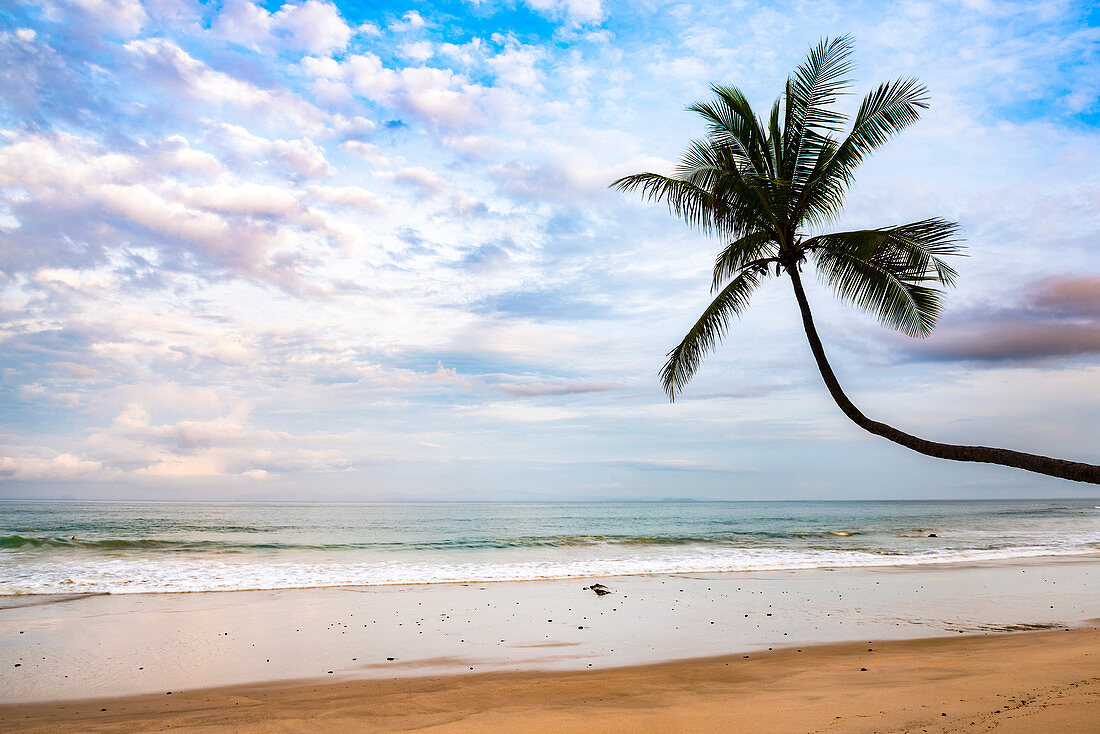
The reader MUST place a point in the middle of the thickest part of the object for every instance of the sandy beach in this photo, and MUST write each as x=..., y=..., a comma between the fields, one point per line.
x=1002, y=645
x=1010, y=683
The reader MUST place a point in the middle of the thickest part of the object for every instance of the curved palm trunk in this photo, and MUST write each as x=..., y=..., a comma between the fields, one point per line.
x=1073, y=470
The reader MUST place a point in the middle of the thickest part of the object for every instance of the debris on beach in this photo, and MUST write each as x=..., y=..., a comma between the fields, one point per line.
x=600, y=589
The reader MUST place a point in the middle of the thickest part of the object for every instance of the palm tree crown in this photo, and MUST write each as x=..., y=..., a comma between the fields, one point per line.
x=761, y=187
x=765, y=188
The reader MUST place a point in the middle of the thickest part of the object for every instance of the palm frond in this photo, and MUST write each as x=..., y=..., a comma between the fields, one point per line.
x=809, y=93
x=691, y=203
x=913, y=251
x=884, y=112
x=750, y=249
x=816, y=84
x=818, y=202
x=684, y=359
x=703, y=163
x=775, y=141
x=892, y=272
x=911, y=309
x=743, y=200
x=732, y=123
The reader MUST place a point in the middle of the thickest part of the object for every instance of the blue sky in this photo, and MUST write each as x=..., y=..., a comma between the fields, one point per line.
x=367, y=251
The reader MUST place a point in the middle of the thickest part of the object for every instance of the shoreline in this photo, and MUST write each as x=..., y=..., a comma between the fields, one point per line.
x=1046, y=558
x=130, y=644
x=938, y=684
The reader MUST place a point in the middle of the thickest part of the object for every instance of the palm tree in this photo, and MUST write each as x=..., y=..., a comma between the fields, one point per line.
x=760, y=186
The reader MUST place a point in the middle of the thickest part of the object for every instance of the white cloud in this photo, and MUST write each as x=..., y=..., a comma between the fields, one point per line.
x=436, y=95
x=59, y=467
x=440, y=95
x=354, y=126
x=223, y=446
x=466, y=54
x=567, y=176
x=515, y=65
x=302, y=156
x=366, y=151
x=174, y=154
x=164, y=62
x=424, y=180
x=312, y=26
x=354, y=196
x=79, y=280
x=410, y=21
x=70, y=182
x=521, y=412
x=243, y=22
x=579, y=12
x=118, y=17
x=420, y=51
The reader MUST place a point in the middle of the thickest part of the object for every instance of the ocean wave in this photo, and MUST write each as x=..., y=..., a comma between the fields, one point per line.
x=25, y=542
x=182, y=574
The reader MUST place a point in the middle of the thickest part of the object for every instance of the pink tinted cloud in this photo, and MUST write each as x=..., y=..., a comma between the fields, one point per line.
x=1060, y=318
x=1073, y=294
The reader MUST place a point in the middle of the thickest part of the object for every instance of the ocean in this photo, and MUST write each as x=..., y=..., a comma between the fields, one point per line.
x=68, y=547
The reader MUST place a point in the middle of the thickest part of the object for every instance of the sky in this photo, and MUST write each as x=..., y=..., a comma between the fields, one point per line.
x=367, y=251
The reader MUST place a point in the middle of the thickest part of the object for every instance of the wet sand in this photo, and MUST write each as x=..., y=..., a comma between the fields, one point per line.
x=1009, y=683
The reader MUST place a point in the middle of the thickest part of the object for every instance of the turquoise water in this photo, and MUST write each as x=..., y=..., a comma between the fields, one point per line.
x=118, y=547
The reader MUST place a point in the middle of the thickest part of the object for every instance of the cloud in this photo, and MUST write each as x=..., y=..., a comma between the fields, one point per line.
x=410, y=21
x=656, y=465
x=436, y=95
x=302, y=156
x=123, y=18
x=486, y=257
x=567, y=176
x=353, y=196
x=516, y=66
x=533, y=389
x=366, y=151
x=174, y=154
x=419, y=51
x=425, y=181
x=578, y=12
x=242, y=22
x=226, y=445
x=1011, y=340
x=162, y=62
x=59, y=467
x=1075, y=295
x=1060, y=318
x=90, y=203
x=311, y=26
x=517, y=412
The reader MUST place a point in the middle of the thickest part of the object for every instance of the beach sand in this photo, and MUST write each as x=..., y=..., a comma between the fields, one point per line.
x=1013, y=684
x=550, y=656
